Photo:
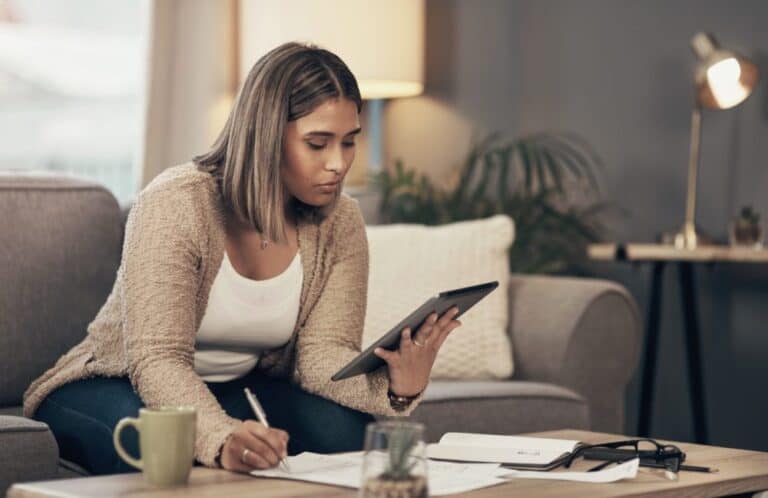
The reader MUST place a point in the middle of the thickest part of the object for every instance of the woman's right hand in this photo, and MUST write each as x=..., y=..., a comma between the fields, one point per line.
x=265, y=447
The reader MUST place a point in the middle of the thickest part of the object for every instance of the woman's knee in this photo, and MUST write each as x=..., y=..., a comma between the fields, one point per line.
x=82, y=416
x=328, y=427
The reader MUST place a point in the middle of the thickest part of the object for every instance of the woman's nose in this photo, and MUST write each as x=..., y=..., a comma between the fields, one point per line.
x=335, y=161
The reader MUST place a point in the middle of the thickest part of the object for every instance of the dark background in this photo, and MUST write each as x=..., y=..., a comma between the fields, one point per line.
x=620, y=74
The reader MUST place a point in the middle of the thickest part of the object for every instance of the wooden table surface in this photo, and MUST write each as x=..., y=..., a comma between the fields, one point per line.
x=663, y=252
x=740, y=471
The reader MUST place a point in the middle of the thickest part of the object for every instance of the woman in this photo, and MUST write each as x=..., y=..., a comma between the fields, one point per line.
x=246, y=267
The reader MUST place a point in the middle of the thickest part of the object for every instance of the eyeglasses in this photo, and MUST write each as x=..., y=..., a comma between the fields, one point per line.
x=650, y=452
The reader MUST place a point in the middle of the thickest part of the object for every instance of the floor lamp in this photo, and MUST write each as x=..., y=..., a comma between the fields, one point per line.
x=723, y=79
x=382, y=43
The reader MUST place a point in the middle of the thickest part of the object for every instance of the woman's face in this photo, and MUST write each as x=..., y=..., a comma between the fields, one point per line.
x=318, y=150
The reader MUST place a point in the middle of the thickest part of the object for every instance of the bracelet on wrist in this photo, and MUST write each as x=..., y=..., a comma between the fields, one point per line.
x=400, y=403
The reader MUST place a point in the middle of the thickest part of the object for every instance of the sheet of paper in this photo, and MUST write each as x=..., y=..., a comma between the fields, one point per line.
x=345, y=470
x=626, y=470
x=339, y=470
x=447, y=478
x=470, y=447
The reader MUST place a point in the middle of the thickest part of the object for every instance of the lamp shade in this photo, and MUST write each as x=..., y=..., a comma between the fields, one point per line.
x=382, y=42
x=724, y=78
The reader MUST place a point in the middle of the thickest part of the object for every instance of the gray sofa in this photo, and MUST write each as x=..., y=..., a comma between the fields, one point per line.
x=576, y=341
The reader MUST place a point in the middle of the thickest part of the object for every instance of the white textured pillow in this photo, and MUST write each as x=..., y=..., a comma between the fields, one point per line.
x=411, y=263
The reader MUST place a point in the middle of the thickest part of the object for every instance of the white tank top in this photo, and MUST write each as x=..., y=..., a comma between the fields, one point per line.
x=245, y=317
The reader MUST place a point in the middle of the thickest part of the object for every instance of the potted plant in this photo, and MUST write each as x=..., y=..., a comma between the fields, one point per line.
x=394, y=462
x=746, y=229
x=546, y=182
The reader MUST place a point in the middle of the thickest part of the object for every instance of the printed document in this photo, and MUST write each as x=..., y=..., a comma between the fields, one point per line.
x=346, y=470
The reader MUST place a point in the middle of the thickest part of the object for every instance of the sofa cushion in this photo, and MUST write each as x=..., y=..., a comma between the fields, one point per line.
x=17, y=411
x=28, y=451
x=499, y=407
x=66, y=468
x=411, y=263
x=59, y=254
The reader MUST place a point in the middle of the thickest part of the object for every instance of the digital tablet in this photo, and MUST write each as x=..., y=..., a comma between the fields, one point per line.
x=463, y=298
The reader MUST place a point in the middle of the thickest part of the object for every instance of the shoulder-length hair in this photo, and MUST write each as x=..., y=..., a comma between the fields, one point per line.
x=285, y=84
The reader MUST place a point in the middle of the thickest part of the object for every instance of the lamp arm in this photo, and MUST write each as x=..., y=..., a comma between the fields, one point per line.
x=693, y=167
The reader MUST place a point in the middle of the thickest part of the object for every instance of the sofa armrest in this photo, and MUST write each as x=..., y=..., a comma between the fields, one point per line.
x=584, y=334
x=28, y=451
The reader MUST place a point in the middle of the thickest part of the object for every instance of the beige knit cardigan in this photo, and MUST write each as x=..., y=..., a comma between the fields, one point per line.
x=174, y=246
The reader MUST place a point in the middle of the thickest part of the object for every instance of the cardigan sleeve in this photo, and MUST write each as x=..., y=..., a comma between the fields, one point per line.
x=332, y=333
x=161, y=271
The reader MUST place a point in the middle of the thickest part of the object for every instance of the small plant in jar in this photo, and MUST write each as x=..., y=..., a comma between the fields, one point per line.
x=746, y=229
x=403, y=473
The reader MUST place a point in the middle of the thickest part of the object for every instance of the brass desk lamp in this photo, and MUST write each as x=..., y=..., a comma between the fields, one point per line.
x=723, y=79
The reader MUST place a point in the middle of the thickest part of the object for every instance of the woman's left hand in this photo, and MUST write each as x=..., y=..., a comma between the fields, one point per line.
x=411, y=364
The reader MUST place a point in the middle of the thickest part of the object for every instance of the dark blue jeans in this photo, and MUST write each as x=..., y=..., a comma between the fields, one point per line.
x=83, y=414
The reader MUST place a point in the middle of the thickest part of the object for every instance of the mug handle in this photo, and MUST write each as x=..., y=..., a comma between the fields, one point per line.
x=136, y=462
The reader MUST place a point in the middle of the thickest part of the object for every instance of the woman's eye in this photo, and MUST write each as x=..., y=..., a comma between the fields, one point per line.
x=348, y=144
x=315, y=146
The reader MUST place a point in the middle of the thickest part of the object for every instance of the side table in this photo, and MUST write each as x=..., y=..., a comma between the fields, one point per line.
x=658, y=255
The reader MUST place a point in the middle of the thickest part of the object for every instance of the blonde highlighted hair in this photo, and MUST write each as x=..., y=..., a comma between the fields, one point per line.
x=285, y=84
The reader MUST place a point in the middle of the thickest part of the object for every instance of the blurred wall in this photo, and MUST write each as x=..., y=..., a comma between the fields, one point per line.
x=191, y=79
x=619, y=73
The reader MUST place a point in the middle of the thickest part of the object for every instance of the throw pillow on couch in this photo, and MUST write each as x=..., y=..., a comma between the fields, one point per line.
x=411, y=263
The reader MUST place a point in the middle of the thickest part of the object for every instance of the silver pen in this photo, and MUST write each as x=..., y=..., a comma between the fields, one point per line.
x=259, y=411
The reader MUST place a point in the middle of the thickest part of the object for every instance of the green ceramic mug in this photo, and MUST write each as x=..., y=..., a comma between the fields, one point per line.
x=166, y=443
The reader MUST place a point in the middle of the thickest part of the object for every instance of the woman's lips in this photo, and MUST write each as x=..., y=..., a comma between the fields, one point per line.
x=328, y=188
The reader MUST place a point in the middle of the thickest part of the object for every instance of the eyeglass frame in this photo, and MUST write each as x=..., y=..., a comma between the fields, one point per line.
x=664, y=453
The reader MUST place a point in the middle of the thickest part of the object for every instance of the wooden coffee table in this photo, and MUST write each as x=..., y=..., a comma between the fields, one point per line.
x=740, y=471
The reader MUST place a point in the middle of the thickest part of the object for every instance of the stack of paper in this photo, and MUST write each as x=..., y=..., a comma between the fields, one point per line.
x=445, y=478
x=346, y=470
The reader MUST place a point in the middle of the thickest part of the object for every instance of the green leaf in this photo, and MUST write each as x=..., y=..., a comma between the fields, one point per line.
x=576, y=158
x=525, y=163
x=501, y=176
x=554, y=170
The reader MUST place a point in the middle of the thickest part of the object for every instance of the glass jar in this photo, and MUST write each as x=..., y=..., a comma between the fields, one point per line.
x=394, y=462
